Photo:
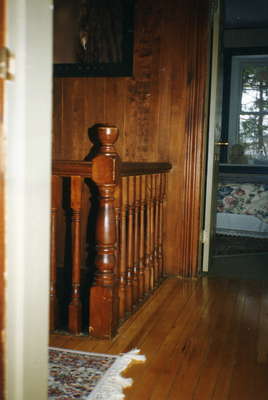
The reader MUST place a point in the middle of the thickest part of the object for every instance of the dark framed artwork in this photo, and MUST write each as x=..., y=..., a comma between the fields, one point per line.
x=93, y=38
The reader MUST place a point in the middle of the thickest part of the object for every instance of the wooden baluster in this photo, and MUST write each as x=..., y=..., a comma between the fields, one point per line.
x=142, y=238
x=53, y=311
x=75, y=306
x=156, y=226
x=104, y=305
x=117, y=208
x=151, y=236
x=148, y=235
x=130, y=243
x=164, y=220
x=136, y=239
x=161, y=220
x=85, y=210
x=154, y=264
x=123, y=248
x=159, y=223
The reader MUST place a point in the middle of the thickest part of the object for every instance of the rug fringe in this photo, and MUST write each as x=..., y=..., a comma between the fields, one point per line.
x=112, y=383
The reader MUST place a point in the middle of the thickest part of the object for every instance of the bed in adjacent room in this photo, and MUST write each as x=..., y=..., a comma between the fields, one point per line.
x=242, y=206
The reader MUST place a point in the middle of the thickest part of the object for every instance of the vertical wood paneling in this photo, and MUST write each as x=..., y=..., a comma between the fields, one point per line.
x=193, y=165
x=114, y=108
x=159, y=111
x=58, y=132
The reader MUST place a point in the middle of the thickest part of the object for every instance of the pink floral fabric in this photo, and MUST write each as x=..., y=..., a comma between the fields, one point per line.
x=243, y=198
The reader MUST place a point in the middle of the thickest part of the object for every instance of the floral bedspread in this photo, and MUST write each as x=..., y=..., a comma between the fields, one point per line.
x=243, y=198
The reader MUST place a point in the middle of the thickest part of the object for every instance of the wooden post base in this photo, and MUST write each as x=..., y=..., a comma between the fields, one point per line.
x=103, y=312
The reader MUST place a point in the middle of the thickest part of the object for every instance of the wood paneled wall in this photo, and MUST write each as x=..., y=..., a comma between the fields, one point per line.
x=160, y=113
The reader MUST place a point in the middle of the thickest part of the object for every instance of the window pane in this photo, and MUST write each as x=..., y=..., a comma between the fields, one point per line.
x=248, y=112
x=252, y=146
x=254, y=94
x=250, y=100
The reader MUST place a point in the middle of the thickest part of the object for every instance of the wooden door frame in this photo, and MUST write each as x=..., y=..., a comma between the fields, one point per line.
x=196, y=131
x=214, y=132
x=27, y=200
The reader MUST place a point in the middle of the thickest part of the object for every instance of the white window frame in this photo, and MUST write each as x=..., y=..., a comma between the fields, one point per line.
x=238, y=63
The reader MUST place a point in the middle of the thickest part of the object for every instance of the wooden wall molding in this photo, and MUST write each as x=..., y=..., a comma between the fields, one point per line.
x=195, y=134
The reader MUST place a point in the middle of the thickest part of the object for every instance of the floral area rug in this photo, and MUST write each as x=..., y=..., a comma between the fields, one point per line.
x=88, y=376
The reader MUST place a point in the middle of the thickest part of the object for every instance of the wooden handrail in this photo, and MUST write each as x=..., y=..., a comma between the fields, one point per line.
x=72, y=168
x=84, y=168
x=143, y=168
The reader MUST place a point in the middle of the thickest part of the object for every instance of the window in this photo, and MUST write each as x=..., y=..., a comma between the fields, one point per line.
x=247, y=126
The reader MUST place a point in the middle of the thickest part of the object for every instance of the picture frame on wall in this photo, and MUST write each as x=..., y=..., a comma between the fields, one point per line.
x=93, y=38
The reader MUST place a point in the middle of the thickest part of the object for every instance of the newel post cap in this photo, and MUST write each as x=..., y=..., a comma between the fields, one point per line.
x=105, y=166
x=107, y=135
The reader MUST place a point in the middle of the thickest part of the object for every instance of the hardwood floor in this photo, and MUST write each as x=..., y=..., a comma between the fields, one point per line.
x=204, y=340
x=243, y=266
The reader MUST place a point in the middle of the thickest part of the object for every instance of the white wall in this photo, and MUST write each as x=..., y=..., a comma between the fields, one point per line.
x=28, y=132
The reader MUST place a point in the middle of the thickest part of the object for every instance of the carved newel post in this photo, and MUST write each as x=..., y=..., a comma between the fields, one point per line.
x=104, y=292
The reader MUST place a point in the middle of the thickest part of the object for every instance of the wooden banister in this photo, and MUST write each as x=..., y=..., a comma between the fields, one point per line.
x=84, y=168
x=143, y=168
x=127, y=210
x=72, y=168
x=104, y=292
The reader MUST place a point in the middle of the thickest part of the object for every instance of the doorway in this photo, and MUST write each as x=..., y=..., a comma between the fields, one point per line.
x=239, y=186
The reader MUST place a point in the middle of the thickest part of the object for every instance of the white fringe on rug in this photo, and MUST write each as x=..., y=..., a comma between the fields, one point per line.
x=111, y=385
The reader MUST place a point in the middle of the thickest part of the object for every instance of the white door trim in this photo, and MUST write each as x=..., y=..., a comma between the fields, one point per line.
x=213, y=133
x=28, y=163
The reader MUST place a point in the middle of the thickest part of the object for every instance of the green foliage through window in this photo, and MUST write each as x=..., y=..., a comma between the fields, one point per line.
x=253, y=117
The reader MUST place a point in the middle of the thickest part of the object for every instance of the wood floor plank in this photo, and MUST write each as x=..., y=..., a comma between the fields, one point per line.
x=121, y=341
x=154, y=345
x=192, y=359
x=261, y=369
x=139, y=333
x=262, y=347
x=59, y=340
x=165, y=359
x=242, y=382
x=131, y=331
x=204, y=340
x=228, y=352
x=218, y=334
